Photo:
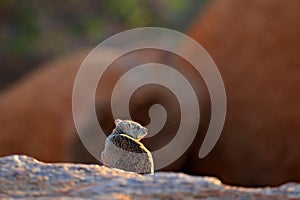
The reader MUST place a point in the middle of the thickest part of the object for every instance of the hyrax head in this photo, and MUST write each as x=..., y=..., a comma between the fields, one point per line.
x=131, y=128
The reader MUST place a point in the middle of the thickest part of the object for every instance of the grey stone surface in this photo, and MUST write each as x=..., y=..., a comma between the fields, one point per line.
x=26, y=178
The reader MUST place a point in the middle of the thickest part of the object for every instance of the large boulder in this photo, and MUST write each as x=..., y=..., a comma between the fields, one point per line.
x=256, y=46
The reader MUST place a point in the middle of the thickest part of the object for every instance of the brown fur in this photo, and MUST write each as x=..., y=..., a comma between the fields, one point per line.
x=124, y=152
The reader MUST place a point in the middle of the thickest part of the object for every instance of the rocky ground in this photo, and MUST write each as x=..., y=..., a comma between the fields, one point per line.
x=25, y=177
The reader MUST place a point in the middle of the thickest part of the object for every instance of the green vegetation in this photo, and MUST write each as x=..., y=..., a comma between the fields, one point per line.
x=34, y=31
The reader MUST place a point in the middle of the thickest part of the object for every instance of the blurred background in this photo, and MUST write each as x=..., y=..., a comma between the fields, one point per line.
x=255, y=44
x=32, y=32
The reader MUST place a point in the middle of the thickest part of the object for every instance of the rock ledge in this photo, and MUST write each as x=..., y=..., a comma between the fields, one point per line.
x=25, y=177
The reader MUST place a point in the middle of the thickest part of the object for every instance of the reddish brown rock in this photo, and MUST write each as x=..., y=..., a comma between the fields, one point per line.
x=256, y=46
x=36, y=112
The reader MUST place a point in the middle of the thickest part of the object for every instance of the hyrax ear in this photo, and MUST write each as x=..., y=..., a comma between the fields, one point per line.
x=128, y=126
x=145, y=130
x=117, y=121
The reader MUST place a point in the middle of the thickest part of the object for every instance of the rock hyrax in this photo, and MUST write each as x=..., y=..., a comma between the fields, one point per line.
x=124, y=151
